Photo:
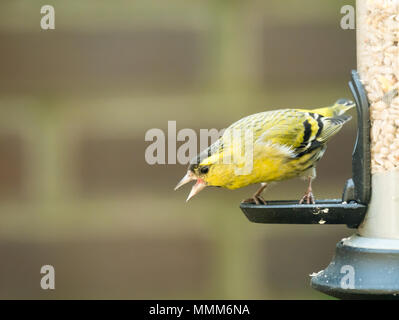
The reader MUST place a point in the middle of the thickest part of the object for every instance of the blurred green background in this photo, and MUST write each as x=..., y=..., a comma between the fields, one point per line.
x=75, y=103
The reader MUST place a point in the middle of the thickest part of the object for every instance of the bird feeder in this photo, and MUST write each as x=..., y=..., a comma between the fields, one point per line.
x=352, y=207
x=365, y=265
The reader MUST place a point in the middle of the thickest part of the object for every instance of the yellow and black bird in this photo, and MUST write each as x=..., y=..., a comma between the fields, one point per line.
x=283, y=144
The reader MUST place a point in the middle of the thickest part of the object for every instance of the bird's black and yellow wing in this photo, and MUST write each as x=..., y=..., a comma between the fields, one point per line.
x=295, y=129
x=296, y=132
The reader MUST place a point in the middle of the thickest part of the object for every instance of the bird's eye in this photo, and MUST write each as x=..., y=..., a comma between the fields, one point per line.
x=204, y=170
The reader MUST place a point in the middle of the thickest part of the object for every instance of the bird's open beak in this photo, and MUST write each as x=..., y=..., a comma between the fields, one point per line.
x=201, y=184
x=186, y=179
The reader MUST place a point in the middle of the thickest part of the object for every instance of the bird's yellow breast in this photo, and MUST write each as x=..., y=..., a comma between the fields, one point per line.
x=269, y=163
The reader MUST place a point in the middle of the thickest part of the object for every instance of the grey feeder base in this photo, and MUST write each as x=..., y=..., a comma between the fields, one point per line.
x=362, y=268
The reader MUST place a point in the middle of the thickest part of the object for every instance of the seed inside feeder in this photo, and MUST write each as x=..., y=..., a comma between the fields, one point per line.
x=378, y=65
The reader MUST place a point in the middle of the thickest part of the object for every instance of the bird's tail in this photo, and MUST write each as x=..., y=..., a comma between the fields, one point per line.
x=339, y=108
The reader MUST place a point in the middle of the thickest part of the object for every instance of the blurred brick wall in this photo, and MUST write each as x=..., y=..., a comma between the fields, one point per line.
x=81, y=61
x=74, y=108
x=11, y=165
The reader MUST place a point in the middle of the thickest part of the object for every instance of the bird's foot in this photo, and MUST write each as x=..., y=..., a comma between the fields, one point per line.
x=255, y=200
x=308, y=197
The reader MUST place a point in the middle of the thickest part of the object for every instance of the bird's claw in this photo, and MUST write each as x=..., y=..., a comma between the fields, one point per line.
x=255, y=200
x=308, y=197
